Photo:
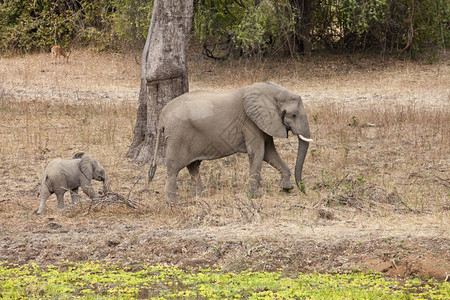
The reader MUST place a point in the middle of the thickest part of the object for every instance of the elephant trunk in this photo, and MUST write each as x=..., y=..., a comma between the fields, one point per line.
x=303, y=144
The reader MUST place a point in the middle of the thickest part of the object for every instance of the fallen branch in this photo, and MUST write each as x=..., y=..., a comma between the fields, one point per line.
x=110, y=198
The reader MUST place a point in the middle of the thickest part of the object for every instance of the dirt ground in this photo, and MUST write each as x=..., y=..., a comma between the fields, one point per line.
x=377, y=197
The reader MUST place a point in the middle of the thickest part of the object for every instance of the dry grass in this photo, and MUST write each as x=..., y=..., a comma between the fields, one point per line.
x=377, y=175
x=381, y=146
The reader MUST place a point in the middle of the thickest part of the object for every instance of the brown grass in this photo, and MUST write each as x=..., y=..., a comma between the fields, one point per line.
x=377, y=176
x=380, y=149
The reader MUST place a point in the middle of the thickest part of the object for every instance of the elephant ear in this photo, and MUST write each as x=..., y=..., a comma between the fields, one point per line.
x=264, y=111
x=78, y=155
x=87, y=166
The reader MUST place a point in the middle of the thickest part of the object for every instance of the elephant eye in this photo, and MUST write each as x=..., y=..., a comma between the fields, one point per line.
x=294, y=115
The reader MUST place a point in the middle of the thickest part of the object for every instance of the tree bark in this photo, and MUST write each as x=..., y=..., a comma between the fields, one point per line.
x=164, y=71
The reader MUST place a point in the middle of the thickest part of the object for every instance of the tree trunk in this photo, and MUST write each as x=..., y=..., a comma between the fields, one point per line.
x=164, y=71
x=304, y=25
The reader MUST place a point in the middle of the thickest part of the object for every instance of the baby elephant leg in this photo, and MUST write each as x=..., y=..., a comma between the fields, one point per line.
x=60, y=197
x=44, y=193
x=89, y=191
x=74, y=195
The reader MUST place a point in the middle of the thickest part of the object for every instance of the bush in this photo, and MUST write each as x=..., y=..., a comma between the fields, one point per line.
x=384, y=26
x=228, y=28
x=105, y=24
x=33, y=25
x=242, y=28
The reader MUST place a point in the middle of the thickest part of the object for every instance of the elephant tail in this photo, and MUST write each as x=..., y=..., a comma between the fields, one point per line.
x=152, y=170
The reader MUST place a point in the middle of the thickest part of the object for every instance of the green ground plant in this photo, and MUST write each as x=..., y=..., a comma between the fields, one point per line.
x=93, y=280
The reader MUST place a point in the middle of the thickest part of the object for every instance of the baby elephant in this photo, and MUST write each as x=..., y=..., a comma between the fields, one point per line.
x=62, y=175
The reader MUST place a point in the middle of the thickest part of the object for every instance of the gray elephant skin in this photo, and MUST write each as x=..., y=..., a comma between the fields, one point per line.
x=62, y=175
x=205, y=125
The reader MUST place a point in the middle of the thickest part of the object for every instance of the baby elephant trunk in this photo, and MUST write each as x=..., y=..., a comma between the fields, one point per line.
x=105, y=184
x=303, y=144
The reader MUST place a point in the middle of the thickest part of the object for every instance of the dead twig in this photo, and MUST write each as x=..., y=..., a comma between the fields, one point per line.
x=443, y=181
x=120, y=198
x=134, y=184
x=109, y=198
x=16, y=202
x=249, y=211
x=394, y=264
x=253, y=249
x=340, y=181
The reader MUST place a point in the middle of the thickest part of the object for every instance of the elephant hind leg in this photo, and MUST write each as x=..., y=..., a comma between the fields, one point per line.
x=178, y=156
x=272, y=157
x=196, y=181
x=170, y=190
x=44, y=193
x=60, y=197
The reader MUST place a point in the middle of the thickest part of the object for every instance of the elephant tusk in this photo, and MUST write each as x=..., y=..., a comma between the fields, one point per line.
x=305, y=139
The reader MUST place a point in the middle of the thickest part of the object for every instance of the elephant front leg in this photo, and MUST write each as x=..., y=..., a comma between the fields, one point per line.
x=272, y=157
x=256, y=156
x=74, y=195
x=89, y=191
x=196, y=181
x=256, y=190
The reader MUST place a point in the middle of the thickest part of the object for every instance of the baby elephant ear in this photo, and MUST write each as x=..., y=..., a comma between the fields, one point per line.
x=87, y=166
x=263, y=110
x=78, y=155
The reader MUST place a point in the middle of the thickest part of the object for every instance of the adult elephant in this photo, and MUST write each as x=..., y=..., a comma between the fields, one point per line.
x=204, y=125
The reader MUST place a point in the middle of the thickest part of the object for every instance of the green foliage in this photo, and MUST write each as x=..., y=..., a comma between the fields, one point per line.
x=132, y=19
x=228, y=28
x=241, y=28
x=255, y=29
x=428, y=24
x=359, y=16
x=115, y=24
x=105, y=24
x=92, y=280
x=386, y=26
x=33, y=25
x=251, y=27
